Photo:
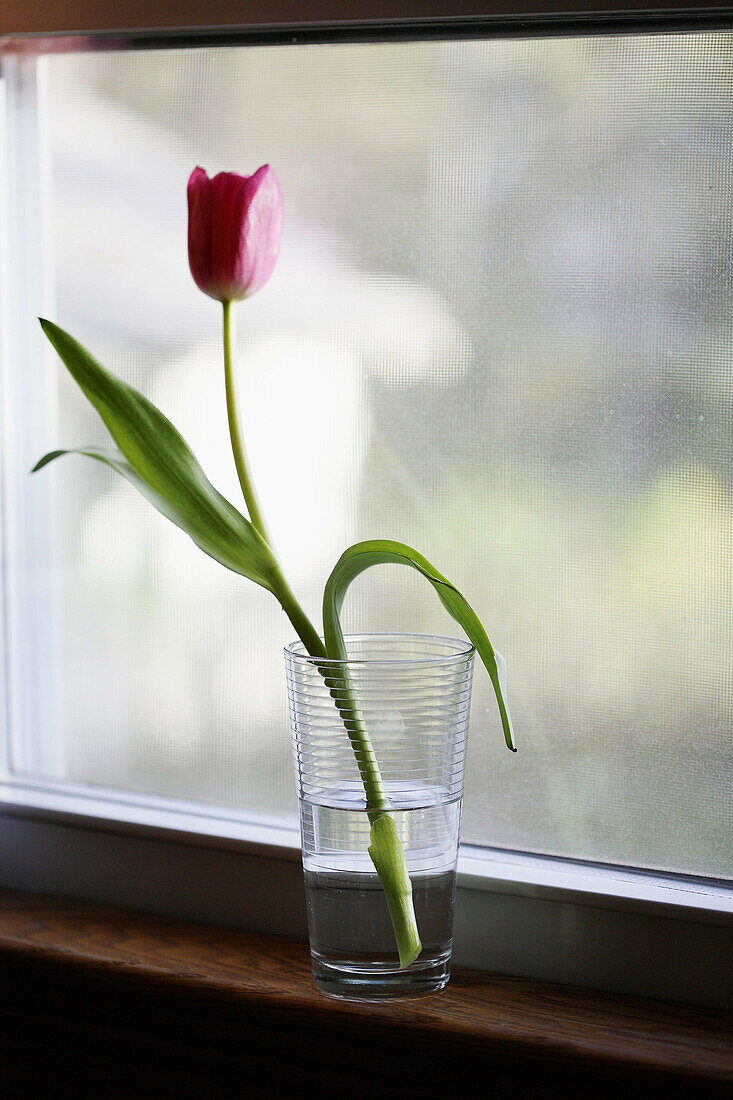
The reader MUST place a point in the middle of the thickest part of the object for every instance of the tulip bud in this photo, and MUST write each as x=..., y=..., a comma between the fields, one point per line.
x=234, y=229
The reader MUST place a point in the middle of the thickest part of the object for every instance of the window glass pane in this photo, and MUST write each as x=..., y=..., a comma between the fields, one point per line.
x=499, y=331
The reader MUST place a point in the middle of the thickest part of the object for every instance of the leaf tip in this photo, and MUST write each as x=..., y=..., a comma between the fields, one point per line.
x=45, y=460
x=51, y=330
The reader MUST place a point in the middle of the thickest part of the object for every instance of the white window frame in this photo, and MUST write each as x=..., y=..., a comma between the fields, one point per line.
x=624, y=930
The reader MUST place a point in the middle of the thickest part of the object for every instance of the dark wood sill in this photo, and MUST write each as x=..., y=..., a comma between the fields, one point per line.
x=102, y=1002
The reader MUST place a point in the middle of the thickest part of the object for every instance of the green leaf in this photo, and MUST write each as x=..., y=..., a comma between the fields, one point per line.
x=159, y=463
x=382, y=551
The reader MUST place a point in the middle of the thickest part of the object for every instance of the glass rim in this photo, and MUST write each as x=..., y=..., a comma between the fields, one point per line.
x=463, y=648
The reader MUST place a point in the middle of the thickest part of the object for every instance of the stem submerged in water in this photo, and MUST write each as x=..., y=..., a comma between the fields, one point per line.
x=386, y=850
x=388, y=856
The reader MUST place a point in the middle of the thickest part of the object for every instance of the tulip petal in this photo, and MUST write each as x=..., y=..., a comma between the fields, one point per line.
x=200, y=213
x=234, y=231
x=261, y=211
x=227, y=216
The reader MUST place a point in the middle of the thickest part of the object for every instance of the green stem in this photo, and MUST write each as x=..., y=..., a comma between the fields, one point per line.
x=238, y=448
x=388, y=856
x=385, y=849
x=304, y=628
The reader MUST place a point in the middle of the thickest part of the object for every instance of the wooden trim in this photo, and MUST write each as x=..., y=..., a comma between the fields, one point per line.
x=98, y=1001
x=79, y=17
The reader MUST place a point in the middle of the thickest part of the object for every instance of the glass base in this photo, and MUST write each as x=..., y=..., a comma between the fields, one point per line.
x=369, y=980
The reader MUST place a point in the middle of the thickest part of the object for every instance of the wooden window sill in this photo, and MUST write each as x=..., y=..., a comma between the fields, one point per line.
x=98, y=1001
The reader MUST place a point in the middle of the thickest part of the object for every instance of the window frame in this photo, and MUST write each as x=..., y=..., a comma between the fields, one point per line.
x=624, y=930
x=319, y=17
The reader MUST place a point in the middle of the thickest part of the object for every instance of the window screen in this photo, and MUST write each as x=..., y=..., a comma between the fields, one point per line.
x=500, y=331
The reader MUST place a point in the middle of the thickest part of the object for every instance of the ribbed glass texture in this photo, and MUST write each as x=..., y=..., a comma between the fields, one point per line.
x=412, y=696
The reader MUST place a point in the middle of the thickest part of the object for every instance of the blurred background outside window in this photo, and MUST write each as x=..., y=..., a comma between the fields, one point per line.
x=500, y=331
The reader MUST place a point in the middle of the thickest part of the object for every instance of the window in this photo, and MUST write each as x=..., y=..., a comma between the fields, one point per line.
x=501, y=323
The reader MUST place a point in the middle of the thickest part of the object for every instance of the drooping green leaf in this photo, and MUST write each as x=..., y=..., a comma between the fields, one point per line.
x=361, y=556
x=159, y=463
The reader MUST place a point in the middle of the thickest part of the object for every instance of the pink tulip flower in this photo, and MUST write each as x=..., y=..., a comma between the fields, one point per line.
x=234, y=229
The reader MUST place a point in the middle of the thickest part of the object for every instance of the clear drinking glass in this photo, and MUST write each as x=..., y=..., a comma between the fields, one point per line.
x=413, y=693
